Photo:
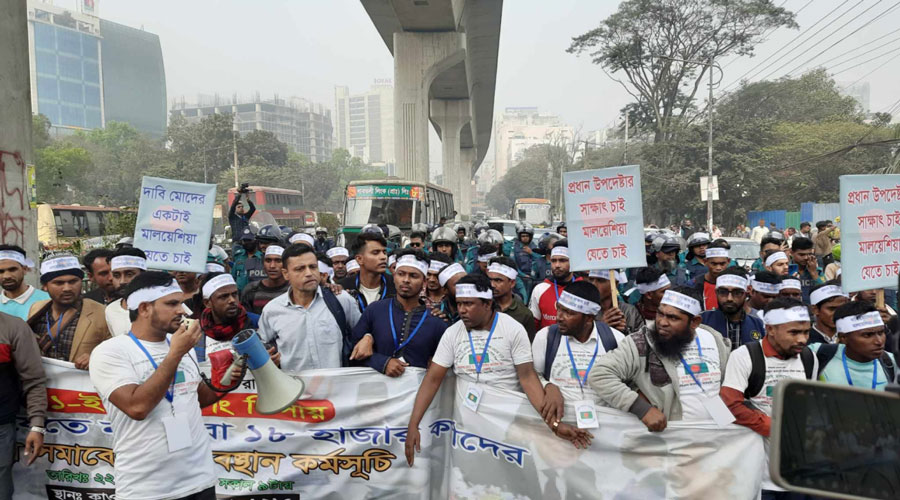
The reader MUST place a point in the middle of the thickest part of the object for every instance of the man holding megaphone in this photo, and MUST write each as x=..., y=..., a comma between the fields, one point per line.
x=151, y=387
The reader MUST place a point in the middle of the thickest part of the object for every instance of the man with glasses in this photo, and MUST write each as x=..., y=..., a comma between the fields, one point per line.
x=730, y=319
x=417, y=240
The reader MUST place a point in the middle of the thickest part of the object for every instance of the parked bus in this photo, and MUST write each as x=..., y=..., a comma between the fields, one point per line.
x=395, y=202
x=533, y=210
x=58, y=224
x=285, y=205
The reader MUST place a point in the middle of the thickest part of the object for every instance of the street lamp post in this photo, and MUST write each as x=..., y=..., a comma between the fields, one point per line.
x=709, y=109
x=234, y=135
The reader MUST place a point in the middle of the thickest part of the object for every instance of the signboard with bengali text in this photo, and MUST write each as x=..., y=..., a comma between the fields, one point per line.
x=384, y=192
x=174, y=223
x=870, y=231
x=605, y=217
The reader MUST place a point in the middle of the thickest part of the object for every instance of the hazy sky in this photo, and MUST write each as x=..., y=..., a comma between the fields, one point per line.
x=305, y=47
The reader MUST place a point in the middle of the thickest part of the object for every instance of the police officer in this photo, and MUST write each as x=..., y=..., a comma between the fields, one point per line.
x=523, y=253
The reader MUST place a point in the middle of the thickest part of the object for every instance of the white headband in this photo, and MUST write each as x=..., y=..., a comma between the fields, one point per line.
x=731, y=281
x=212, y=267
x=274, y=250
x=578, y=304
x=127, y=261
x=14, y=256
x=662, y=282
x=305, y=238
x=775, y=257
x=411, y=261
x=352, y=265
x=852, y=324
x=216, y=283
x=782, y=316
x=449, y=272
x=392, y=260
x=487, y=257
x=59, y=264
x=151, y=294
x=679, y=300
x=503, y=269
x=468, y=291
x=825, y=293
x=560, y=251
x=790, y=283
x=715, y=252
x=325, y=268
x=435, y=266
x=336, y=251
x=762, y=287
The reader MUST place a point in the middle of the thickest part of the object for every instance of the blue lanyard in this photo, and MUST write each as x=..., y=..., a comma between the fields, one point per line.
x=687, y=368
x=170, y=394
x=383, y=291
x=556, y=287
x=590, y=365
x=480, y=361
x=847, y=370
x=55, y=339
x=398, y=346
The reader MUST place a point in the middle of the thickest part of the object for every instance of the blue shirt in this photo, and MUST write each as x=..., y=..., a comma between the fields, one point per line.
x=376, y=319
x=20, y=305
x=860, y=373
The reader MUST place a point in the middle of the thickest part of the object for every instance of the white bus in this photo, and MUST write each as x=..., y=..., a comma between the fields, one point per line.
x=536, y=211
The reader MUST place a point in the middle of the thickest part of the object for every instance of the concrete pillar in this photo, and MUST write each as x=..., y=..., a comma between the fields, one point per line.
x=467, y=159
x=451, y=115
x=418, y=59
x=17, y=218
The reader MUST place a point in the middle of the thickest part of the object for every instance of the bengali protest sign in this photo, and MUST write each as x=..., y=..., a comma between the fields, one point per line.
x=605, y=217
x=870, y=231
x=174, y=223
x=345, y=439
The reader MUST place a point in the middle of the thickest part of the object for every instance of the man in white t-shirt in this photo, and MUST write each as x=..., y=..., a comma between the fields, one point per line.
x=575, y=344
x=125, y=265
x=782, y=353
x=483, y=343
x=150, y=385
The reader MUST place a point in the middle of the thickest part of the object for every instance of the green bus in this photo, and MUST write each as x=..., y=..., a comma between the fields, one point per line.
x=394, y=202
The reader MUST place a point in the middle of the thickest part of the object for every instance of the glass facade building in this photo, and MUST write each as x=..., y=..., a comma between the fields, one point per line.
x=67, y=66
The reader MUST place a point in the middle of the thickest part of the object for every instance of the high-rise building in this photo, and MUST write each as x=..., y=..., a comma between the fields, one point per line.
x=364, y=123
x=518, y=129
x=86, y=72
x=860, y=92
x=304, y=126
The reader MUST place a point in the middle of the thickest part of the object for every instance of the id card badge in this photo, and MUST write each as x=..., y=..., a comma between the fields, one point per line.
x=586, y=415
x=718, y=410
x=178, y=432
x=473, y=397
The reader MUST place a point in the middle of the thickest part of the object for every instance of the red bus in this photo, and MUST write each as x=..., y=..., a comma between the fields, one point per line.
x=285, y=205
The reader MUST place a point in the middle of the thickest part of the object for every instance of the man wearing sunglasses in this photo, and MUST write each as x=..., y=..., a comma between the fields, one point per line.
x=730, y=319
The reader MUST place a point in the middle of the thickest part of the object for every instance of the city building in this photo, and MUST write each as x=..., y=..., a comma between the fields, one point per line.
x=364, y=123
x=518, y=129
x=304, y=126
x=86, y=71
x=859, y=92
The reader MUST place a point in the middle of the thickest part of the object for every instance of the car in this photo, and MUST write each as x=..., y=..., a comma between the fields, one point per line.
x=744, y=251
x=507, y=227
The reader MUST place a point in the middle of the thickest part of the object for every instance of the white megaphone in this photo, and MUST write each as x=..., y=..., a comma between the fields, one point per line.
x=276, y=390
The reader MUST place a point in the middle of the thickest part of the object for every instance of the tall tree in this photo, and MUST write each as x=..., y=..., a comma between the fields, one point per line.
x=646, y=40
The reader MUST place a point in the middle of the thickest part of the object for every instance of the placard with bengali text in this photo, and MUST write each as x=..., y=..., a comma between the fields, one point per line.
x=605, y=218
x=870, y=231
x=174, y=223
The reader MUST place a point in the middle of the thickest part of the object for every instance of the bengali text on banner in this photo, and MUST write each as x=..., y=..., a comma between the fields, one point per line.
x=870, y=231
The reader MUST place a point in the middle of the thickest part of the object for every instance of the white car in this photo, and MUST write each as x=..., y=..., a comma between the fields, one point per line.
x=743, y=250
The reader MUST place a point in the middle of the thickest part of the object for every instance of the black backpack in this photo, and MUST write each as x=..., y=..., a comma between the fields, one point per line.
x=827, y=351
x=334, y=305
x=554, y=337
x=758, y=371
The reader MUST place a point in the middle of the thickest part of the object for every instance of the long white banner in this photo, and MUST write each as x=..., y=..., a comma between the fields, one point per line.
x=345, y=439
